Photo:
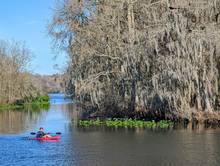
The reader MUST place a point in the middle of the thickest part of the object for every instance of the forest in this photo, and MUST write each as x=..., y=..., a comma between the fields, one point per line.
x=14, y=83
x=141, y=58
x=17, y=86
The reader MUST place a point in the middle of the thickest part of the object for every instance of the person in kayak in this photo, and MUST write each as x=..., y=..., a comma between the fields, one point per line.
x=41, y=133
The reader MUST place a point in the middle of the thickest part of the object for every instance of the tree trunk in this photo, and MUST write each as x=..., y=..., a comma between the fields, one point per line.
x=133, y=96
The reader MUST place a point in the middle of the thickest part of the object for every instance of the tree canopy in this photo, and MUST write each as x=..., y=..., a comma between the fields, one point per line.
x=141, y=55
x=15, y=82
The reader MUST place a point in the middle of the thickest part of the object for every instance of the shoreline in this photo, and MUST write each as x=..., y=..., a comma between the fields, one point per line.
x=195, y=117
x=38, y=102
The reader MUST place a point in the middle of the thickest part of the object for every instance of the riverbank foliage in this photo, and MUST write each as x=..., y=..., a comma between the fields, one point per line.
x=40, y=102
x=127, y=56
x=126, y=123
x=16, y=85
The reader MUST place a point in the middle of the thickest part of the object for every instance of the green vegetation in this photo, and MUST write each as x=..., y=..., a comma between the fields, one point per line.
x=19, y=88
x=9, y=106
x=15, y=82
x=126, y=123
x=40, y=102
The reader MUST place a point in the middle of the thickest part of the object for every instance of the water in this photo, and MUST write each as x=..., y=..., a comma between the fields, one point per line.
x=99, y=146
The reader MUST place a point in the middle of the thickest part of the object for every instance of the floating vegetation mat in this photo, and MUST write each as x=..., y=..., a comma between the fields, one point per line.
x=126, y=123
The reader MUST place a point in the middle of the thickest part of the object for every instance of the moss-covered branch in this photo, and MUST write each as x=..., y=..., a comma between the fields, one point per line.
x=142, y=56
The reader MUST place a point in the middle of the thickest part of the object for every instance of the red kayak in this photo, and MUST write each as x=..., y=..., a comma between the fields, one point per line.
x=54, y=138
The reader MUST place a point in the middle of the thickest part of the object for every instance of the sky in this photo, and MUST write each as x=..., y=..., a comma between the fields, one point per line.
x=26, y=20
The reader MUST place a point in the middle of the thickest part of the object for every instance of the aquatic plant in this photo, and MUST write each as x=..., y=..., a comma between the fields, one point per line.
x=126, y=123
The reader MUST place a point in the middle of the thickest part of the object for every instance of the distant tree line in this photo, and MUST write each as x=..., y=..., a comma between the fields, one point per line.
x=49, y=83
x=15, y=82
x=131, y=56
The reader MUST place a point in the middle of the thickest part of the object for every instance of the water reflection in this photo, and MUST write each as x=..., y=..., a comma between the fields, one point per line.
x=20, y=121
x=102, y=146
x=17, y=121
x=65, y=105
x=57, y=98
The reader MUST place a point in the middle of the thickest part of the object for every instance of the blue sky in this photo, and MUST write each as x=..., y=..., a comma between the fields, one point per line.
x=26, y=20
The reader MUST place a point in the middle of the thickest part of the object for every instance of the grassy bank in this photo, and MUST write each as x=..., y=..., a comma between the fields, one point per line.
x=126, y=123
x=36, y=103
x=10, y=106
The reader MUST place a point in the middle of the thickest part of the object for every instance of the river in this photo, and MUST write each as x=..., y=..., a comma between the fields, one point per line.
x=99, y=146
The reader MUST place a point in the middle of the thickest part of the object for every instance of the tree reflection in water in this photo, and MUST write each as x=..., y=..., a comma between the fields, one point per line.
x=17, y=121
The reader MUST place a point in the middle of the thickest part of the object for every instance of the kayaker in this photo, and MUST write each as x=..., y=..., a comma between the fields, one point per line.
x=41, y=133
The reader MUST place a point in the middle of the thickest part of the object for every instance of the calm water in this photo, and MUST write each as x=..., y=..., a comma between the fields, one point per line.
x=99, y=146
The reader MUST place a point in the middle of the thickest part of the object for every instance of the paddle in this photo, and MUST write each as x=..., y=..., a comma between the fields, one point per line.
x=58, y=133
